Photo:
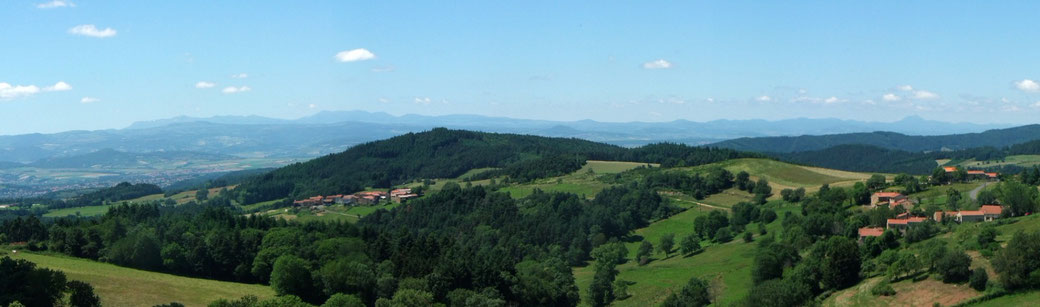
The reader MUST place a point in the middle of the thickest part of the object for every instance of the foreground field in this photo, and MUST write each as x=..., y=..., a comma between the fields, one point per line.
x=119, y=286
x=727, y=267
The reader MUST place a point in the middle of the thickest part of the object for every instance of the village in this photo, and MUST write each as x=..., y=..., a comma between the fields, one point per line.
x=905, y=221
x=366, y=198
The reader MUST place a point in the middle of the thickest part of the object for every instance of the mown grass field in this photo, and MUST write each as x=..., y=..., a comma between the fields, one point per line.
x=119, y=286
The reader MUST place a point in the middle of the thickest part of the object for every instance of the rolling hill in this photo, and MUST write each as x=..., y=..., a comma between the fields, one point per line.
x=889, y=140
x=444, y=153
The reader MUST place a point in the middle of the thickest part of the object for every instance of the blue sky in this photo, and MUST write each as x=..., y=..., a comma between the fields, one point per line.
x=104, y=64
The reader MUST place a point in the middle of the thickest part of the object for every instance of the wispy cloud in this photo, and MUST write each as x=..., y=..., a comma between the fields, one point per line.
x=1027, y=85
x=891, y=97
x=92, y=31
x=423, y=100
x=204, y=84
x=764, y=98
x=9, y=91
x=55, y=4
x=240, y=76
x=905, y=88
x=360, y=54
x=657, y=64
x=925, y=95
x=232, y=89
x=89, y=100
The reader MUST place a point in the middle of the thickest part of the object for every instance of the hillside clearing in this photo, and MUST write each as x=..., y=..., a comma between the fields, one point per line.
x=120, y=286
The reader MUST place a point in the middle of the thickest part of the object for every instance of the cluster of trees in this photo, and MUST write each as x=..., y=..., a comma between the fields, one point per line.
x=715, y=181
x=28, y=285
x=1031, y=176
x=527, y=170
x=760, y=188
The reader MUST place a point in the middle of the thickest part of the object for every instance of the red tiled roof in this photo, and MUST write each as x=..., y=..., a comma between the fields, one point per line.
x=971, y=213
x=992, y=209
x=976, y=172
x=888, y=194
x=897, y=221
x=992, y=175
x=916, y=219
x=950, y=168
x=871, y=231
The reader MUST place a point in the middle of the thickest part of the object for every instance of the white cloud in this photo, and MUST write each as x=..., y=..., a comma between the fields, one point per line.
x=891, y=97
x=311, y=106
x=89, y=100
x=925, y=95
x=240, y=76
x=423, y=100
x=58, y=87
x=1027, y=85
x=1037, y=104
x=55, y=4
x=359, y=54
x=204, y=84
x=658, y=64
x=763, y=98
x=8, y=91
x=709, y=99
x=232, y=89
x=832, y=99
x=92, y=31
x=383, y=100
x=905, y=88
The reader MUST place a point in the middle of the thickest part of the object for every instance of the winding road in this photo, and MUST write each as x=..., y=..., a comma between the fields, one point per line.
x=974, y=194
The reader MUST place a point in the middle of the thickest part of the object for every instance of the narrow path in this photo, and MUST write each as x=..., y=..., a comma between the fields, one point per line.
x=709, y=206
x=974, y=194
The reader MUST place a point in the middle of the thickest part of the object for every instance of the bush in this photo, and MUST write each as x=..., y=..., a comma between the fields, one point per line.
x=979, y=278
x=723, y=235
x=747, y=237
x=954, y=267
x=883, y=288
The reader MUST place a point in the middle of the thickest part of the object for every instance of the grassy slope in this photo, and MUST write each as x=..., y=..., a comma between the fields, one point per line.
x=580, y=182
x=1019, y=160
x=783, y=175
x=726, y=266
x=120, y=286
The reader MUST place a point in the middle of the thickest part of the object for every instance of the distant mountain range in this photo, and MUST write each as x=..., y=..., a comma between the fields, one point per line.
x=998, y=138
x=331, y=132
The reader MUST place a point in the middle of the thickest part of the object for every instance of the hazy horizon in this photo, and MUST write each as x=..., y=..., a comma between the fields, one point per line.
x=84, y=65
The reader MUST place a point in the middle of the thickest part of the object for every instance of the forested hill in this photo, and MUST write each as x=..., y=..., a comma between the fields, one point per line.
x=864, y=158
x=890, y=140
x=444, y=153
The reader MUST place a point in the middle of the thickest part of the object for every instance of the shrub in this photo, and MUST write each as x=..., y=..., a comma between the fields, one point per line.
x=883, y=288
x=979, y=278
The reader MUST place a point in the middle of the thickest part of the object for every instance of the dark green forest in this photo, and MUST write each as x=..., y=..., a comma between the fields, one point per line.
x=997, y=138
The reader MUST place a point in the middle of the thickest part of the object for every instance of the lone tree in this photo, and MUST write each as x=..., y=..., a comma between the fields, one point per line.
x=667, y=243
x=690, y=244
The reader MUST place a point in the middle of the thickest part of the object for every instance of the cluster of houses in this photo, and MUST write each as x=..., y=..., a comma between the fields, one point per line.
x=974, y=174
x=905, y=221
x=359, y=198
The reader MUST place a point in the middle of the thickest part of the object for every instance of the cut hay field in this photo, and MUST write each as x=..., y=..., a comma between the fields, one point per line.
x=119, y=286
x=782, y=175
x=611, y=167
